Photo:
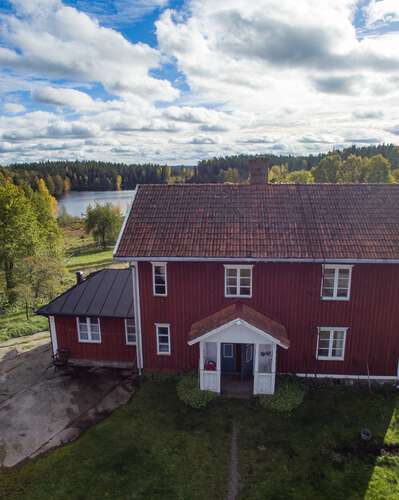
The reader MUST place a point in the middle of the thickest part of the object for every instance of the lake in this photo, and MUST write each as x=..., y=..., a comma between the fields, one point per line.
x=76, y=202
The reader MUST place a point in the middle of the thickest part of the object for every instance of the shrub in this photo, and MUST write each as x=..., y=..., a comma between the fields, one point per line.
x=288, y=396
x=189, y=392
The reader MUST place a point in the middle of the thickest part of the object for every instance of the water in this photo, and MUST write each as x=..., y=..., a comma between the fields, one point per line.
x=76, y=202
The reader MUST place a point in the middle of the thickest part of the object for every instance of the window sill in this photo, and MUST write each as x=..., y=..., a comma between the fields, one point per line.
x=89, y=341
x=160, y=295
x=131, y=343
x=341, y=299
x=238, y=296
x=326, y=358
x=163, y=353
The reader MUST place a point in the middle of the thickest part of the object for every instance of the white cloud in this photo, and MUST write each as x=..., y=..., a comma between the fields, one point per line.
x=53, y=40
x=382, y=11
x=14, y=107
x=271, y=76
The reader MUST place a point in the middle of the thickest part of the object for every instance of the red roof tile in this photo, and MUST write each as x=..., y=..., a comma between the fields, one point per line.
x=241, y=311
x=283, y=221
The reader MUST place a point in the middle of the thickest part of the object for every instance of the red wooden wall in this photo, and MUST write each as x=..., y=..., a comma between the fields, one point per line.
x=290, y=294
x=113, y=344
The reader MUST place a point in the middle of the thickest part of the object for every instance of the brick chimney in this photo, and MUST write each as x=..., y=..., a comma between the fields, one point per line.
x=258, y=170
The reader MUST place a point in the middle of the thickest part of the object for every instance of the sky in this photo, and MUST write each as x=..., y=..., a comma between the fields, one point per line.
x=178, y=81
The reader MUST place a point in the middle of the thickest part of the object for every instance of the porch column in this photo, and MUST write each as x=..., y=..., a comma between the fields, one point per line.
x=218, y=366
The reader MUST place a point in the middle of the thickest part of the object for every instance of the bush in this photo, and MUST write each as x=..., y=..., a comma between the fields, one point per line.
x=189, y=392
x=288, y=396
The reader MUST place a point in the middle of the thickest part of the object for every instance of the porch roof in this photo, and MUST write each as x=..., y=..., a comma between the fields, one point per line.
x=245, y=313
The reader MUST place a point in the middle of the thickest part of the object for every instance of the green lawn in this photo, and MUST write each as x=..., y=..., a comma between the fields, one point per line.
x=156, y=448
x=15, y=324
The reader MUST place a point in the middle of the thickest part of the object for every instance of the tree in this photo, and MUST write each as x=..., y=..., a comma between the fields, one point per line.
x=103, y=222
x=278, y=174
x=328, y=168
x=45, y=207
x=118, y=183
x=378, y=169
x=38, y=279
x=19, y=232
x=350, y=170
x=300, y=177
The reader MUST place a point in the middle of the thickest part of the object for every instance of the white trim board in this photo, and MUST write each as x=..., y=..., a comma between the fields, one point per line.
x=137, y=315
x=236, y=322
x=256, y=259
x=353, y=377
x=124, y=222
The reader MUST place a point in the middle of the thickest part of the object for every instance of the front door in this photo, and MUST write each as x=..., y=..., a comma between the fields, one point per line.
x=228, y=358
x=247, y=360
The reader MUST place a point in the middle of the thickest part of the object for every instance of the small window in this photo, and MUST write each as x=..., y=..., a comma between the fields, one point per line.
x=238, y=281
x=336, y=282
x=159, y=279
x=130, y=331
x=89, y=329
x=163, y=339
x=227, y=350
x=331, y=343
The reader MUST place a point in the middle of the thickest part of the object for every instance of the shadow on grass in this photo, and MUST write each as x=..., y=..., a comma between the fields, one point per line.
x=317, y=453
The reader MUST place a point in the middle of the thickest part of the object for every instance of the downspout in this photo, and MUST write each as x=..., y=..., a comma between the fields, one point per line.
x=137, y=316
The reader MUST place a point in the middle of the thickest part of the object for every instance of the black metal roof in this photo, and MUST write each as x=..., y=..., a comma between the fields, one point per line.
x=108, y=292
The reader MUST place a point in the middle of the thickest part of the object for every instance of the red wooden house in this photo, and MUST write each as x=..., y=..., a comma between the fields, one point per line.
x=253, y=279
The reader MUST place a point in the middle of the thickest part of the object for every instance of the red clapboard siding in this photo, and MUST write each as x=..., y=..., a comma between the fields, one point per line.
x=290, y=294
x=113, y=344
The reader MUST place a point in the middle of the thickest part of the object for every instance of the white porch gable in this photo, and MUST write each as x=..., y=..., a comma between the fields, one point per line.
x=265, y=337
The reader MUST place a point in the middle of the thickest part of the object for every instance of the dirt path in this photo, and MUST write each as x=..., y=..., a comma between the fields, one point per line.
x=233, y=470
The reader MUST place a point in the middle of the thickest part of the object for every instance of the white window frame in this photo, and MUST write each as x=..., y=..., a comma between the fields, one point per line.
x=238, y=269
x=230, y=356
x=331, y=330
x=128, y=342
x=89, y=340
x=157, y=334
x=336, y=276
x=164, y=266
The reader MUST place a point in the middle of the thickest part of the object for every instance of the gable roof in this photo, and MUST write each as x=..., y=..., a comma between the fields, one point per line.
x=245, y=313
x=108, y=292
x=316, y=222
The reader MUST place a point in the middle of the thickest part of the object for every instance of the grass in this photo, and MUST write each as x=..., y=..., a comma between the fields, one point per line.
x=157, y=448
x=15, y=324
x=81, y=254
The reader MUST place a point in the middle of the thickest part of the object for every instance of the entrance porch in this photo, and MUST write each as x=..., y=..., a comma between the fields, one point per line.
x=238, y=344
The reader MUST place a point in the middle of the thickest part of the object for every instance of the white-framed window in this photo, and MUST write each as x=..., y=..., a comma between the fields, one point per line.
x=163, y=339
x=227, y=350
x=238, y=281
x=159, y=279
x=331, y=343
x=89, y=329
x=130, y=331
x=336, y=282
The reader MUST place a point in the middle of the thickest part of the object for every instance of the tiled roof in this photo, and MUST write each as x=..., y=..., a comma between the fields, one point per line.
x=244, y=312
x=108, y=292
x=270, y=221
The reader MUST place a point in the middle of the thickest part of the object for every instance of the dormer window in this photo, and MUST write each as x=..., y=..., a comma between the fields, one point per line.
x=237, y=281
x=336, y=282
x=159, y=279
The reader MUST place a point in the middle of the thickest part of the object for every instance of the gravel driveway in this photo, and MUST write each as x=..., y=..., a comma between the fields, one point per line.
x=40, y=407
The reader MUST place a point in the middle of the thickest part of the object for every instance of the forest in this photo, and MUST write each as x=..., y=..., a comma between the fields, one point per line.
x=355, y=164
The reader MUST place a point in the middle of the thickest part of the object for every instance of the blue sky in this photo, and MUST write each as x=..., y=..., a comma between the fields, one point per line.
x=181, y=80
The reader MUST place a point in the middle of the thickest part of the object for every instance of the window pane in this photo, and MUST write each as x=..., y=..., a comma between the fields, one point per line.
x=231, y=273
x=163, y=348
x=163, y=330
x=327, y=292
x=245, y=291
x=323, y=344
x=83, y=334
x=95, y=336
x=231, y=282
x=337, y=353
x=160, y=289
x=342, y=292
x=131, y=339
x=245, y=273
x=245, y=282
x=322, y=352
x=231, y=290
